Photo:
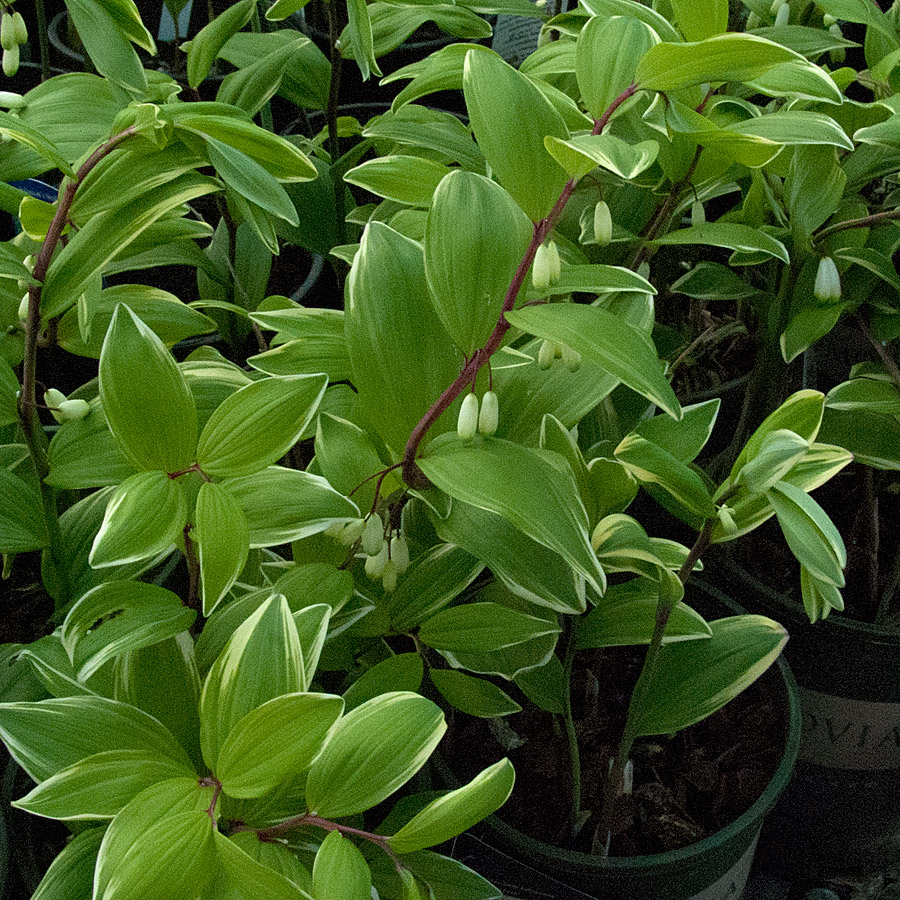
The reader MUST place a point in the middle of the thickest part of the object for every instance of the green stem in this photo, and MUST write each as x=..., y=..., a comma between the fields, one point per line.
x=412, y=474
x=613, y=786
x=35, y=439
x=43, y=40
x=571, y=733
x=880, y=218
x=887, y=360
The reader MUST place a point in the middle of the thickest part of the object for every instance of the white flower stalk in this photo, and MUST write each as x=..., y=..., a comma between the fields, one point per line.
x=555, y=264
x=698, y=214
x=23, y=308
x=71, y=410
x=373, y=535
x=602, y=223
x=11, y=61
x=540, y=269
x=827, y=288
x=400, y=553
x=375, y=564
x=7, y=32
x=467, y=423
x=489, y=417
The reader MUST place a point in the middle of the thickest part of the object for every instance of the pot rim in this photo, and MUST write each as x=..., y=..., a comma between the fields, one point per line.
x=876, y=634
x=687, y=856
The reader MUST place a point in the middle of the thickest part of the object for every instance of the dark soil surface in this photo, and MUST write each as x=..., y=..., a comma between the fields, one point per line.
x=685, y=787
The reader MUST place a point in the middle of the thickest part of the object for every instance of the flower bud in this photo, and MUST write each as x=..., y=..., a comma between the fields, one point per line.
x=726, y=519
x=540, y=269
x=11, y=61
x=827, y=288
x=71, y=410
x=10, y=100
x=644, y=270
x=753, y=21
x=389, y=576
x=352, y=532
x=555, y=265
x=547, y=354
x=602, y=223
x=545, y=36
x=29, y=262
x=53, y=398
x=783, y=15
x=375, y=564
x=698, y=214
x=828, y=20
x=23, y=308
x=489, y=417
x=20, y=28
x=838, y=55
x=400, y=553
x=373, y=535
x=571, y=358
x=7, y=32
x=467, y=423
x=335, y=530
x=776, y=5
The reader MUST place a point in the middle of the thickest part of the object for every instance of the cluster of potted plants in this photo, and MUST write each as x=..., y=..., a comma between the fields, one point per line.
x=303, y=583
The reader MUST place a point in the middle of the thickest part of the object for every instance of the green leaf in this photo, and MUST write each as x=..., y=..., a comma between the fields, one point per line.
x=50, y=735
x=359, y=26
x=98, y=786
x=402, y=357
x=525, y=487
x=449, y=879
x=238, y=876
x=510, y=118
x=606, y=339
x=117, y=617
x=800, y=413
x=107, y=45
x=22, y=525
x=276, y=741
x=221, y=531
x=546, y=686
x=401, y=672
x=106, y=236
x=282, y=505
x=726, y=234
x=796, y=127
x=873, y=440
x=375, y=749
x=145, y=398
x=340, y=871
x=258, y=424
x=595, y=279
x=809, y=533
x=473, y=696
x=798, y=79
x=725, y=57
x=144, y=517
x=458, y=810
x=475, y=238
x=126, y=837
x=819, y=597
x=607, y=54
x=693, y=679
x=404, y=179
x=71, y=874
x=873, y=261
x=205, y=47
x=653, y=465
x=584, y=152
x=261, y=661
x=879, y=397
x=713, y=281
x=686, y=437
x=250, y=180
x=659, y=23
x=699, y=20
x=174, y=858
x=483, y=627
x=780, y=451
x=627, y=616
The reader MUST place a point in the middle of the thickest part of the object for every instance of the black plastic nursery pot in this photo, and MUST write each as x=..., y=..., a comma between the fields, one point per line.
x=716, y=868
x=841, y=812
